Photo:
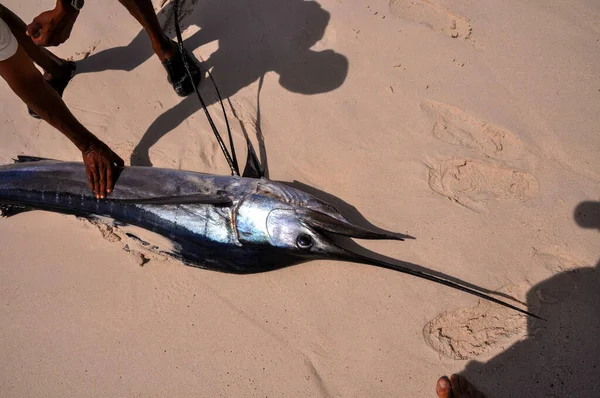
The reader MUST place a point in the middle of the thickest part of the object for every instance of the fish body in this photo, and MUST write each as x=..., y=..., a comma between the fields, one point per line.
x=228, y=224
x=213, y=236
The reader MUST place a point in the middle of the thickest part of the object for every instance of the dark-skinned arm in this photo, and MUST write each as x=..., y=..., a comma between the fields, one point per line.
x=27, y=82
x=52, y=28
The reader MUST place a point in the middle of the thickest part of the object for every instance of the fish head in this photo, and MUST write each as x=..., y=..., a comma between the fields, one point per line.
x=311, y=233
x=304, y=226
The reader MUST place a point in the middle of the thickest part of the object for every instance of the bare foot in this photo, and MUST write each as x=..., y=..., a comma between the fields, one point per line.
x=456, y=387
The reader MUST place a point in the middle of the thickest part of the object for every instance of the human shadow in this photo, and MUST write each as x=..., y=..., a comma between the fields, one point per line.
x=587, y=215
x=254, y=38
x=561, y=356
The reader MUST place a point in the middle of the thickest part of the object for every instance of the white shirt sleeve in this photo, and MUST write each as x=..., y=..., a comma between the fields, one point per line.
x=8, y=42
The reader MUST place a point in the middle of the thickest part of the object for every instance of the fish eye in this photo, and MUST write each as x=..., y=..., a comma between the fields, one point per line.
x=304, y=241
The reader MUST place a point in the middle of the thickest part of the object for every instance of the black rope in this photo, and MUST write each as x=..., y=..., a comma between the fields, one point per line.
x=231, y=158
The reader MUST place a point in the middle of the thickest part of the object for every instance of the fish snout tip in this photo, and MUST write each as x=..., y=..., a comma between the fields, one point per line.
x=400, y=237
x=406, y=237
x=395, y=236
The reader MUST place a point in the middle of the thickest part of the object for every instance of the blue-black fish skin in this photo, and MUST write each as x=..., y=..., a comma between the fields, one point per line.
x=205, y=235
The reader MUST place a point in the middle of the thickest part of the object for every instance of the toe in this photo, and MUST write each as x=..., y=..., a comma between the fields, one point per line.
x=443, y=387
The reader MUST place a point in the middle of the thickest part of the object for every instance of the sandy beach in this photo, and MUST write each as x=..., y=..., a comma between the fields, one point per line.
x=472, y=126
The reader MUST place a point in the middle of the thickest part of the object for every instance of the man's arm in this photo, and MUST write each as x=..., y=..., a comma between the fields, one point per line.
x=53, y=27
x=27, y=82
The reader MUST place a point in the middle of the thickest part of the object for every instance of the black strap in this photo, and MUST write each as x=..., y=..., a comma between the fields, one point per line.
x=231, y=158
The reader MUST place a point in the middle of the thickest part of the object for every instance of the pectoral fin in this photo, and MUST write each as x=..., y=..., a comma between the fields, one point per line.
x=252, y=169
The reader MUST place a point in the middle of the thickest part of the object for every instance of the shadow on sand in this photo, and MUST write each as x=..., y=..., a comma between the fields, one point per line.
x=253, y=38
x=560, y=357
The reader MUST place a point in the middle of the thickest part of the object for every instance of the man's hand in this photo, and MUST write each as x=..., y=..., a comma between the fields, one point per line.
x=52, y=28
x=100, y=162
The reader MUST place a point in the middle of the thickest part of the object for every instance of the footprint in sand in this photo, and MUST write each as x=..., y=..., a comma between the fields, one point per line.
x=432, y=15
x=472, y=183
x=557, y=260
x=486, y=328
x=455, y=126
x=141, y=250
x=81, y=55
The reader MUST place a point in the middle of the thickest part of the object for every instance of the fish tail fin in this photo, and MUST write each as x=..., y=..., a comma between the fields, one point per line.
x=7, y=210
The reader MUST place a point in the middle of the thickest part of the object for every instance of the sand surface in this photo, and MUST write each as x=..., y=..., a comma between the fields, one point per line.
x=471, y=125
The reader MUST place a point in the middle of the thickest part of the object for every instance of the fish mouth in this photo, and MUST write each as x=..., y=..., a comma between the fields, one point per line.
x=332, y=228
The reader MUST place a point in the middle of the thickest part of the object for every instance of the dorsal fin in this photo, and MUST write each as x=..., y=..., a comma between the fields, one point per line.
x=252, y=169
x=25, y=159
